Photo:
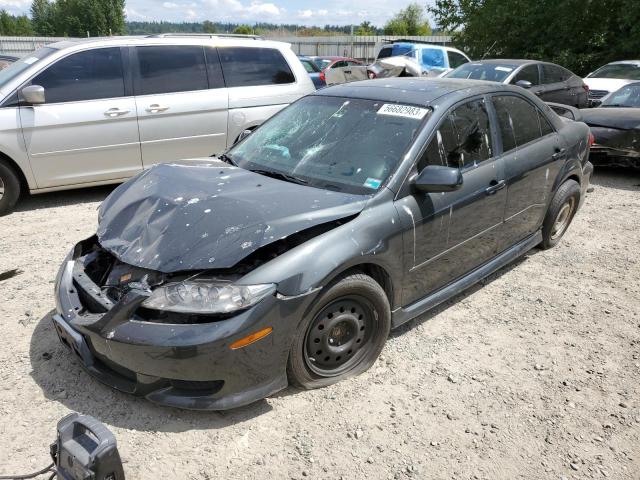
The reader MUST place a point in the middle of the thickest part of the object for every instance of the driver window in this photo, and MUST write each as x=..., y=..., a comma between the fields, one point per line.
x=462, y=140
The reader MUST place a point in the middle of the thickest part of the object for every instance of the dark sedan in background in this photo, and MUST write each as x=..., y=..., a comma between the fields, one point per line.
x=615, y=124
x=550, y=82
x=314, y=71
x=212, y=283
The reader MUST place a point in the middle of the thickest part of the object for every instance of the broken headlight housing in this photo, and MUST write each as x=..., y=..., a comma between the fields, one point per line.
x=194, y=296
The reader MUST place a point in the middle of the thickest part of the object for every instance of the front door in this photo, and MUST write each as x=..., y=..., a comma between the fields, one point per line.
x=449, y=234
x=181, y=102
x=87, y=130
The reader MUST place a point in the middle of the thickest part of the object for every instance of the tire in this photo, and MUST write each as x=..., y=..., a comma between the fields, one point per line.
x=560, y=213
x=9, y=188
x=342, y=335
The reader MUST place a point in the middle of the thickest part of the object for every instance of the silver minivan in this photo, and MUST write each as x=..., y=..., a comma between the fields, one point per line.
x=97, y=111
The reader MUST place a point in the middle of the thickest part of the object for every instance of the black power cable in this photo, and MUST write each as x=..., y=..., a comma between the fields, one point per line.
x=49, y=468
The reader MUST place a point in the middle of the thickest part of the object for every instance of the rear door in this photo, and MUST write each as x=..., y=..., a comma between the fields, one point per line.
x=533, y=157
x=449, y=234
x=87, y=130
x=554, y=85
x=181, y=101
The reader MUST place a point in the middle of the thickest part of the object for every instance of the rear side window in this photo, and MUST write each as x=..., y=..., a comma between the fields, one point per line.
x=528, y=73
x=455, y=60
x=249, y=66
x=82, y=76
x=170, y=69
x=518, y=121
x=462, y=140
x=553, y=73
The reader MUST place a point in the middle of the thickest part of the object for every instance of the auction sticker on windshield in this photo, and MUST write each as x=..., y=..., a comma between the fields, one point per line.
x=402, y=111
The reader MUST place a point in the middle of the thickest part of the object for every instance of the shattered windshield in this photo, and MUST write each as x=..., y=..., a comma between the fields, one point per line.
x=627, y=71
x=347, y=145
x=483, y=71
x=628, y=96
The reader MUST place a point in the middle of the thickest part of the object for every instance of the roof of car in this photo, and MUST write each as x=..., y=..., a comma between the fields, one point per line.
x=512, y=61
x=175, y=39
x=624, y=61
x=412, y=90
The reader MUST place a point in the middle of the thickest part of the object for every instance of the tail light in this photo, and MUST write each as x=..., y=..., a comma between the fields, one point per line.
x=322, y=77
x=586, y=88
x=592, y=139
x=371, y=74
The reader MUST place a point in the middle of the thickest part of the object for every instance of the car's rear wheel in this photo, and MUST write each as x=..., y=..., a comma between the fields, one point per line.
x=343, y=335
x=9, y=188
x=560, y=214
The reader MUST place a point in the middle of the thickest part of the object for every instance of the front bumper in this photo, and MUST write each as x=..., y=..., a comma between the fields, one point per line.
x=181, y=365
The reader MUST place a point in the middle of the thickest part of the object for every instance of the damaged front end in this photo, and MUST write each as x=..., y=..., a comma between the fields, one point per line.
x=615, y=147
x=177, y=347
x=155, y=304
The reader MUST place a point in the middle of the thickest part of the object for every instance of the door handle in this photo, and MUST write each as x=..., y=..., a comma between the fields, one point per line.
x=560, y=153
x=115, y=112
x=494, y=186
x=156, y=108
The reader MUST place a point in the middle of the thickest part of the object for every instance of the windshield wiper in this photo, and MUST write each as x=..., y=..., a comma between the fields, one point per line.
x=227, y=159
x=281, y=176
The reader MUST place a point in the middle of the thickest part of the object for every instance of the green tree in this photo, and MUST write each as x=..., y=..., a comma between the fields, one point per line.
x=409, y=21
x=365, y=28
x=208, y=27
x=243, y=30
x=42, y=17
x=14, y=26
x=580, y=35
x=78, y=17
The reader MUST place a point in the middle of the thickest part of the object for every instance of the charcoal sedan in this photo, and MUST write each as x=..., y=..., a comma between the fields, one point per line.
x=550, y=82
x=212, y=283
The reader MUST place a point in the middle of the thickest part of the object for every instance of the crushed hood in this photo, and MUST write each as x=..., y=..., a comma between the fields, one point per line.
x=207, y=214
x=612, y=117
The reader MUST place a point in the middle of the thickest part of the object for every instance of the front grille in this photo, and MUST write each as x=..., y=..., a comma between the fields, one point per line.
x=195, y=387
x=597, y=94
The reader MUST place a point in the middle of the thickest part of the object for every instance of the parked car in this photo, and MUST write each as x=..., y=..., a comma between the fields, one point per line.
x=611, y=77
x=213, y=283
x=325, y=63
x=550, y=82
x=313, y=70
x=95, y=111
x=615, y=125
x=434, y=59
x=6, y=60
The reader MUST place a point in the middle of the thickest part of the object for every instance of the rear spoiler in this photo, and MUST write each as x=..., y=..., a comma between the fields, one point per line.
x=566, y=111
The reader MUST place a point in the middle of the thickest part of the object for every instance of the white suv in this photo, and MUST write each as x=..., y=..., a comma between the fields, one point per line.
x=98, y=111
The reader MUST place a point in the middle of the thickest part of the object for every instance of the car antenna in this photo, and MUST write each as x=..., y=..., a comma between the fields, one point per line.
x=489, y=49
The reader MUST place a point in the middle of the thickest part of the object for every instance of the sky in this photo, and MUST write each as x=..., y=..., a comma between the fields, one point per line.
x=303, y=12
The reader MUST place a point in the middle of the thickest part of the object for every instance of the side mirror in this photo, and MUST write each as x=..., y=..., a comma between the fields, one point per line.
x=437, y=178
x=33, y=94
x=524, y=84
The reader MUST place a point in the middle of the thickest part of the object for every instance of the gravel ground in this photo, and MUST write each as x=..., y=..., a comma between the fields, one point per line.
x=533, y=374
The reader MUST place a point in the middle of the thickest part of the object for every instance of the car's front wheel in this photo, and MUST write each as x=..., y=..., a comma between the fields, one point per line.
x=343, y=335
x=560, y=214
x=9, y=188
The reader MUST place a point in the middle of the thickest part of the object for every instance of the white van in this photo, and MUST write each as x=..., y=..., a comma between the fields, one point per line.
x=98, y=111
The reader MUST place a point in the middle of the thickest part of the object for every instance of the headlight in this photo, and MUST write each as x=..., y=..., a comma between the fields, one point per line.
x=206, y=297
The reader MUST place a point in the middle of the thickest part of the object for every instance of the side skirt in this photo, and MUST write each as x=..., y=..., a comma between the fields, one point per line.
x=403, y=315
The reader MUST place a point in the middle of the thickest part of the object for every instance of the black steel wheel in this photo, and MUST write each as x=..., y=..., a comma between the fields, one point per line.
x=343, y=335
